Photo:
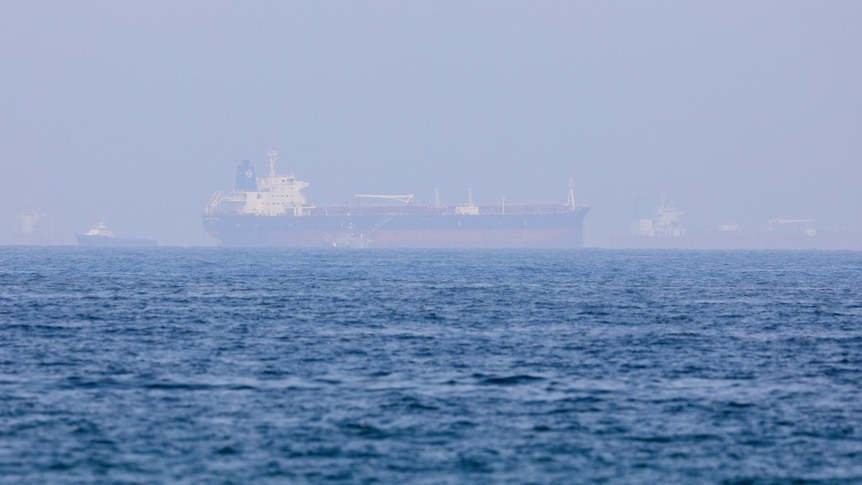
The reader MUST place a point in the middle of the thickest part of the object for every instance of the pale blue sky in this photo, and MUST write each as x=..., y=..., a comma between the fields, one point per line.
x=739, y=111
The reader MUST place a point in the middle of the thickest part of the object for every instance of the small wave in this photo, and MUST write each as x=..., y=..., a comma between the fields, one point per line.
x=363, y=430
x=511, y=380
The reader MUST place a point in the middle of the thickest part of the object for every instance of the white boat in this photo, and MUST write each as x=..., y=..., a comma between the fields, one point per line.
x=101, y=236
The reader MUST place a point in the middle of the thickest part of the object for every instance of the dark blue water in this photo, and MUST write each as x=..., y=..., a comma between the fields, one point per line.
x=237, y=366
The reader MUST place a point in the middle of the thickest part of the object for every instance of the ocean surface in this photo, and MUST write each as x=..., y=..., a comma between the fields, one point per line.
x=209, y=365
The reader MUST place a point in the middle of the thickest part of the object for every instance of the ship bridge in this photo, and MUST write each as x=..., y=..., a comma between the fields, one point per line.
x=273, y=195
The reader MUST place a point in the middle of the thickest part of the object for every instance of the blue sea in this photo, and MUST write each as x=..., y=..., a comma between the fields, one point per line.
x=212, y=365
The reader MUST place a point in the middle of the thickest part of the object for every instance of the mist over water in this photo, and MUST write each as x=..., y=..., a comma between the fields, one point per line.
x=202, y=365
x=739, y=112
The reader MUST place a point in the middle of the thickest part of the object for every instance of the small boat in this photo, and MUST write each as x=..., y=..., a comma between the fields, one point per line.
x=101, y=236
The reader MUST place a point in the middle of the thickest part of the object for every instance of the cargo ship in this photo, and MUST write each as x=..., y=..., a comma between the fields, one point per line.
x=35, y=227
x=101, y=236
x=273, y=211
x=664, y=229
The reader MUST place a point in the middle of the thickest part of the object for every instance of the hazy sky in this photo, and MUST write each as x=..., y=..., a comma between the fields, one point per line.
x=739, y=111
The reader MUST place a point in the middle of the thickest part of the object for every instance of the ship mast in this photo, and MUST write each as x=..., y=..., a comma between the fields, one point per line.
x=272, y=154
x=571, y=201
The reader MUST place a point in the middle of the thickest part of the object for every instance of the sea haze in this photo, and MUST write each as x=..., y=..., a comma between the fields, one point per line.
x=214, y=365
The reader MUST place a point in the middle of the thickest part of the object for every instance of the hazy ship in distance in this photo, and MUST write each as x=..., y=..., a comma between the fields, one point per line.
x=273, y=211
x=665, y=229
x=34, y=227
x=101, y=236
x=665, y=222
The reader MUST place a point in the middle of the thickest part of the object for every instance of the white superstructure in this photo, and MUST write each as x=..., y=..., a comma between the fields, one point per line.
x=275, y=195
x=666, y=222
x=100, y=230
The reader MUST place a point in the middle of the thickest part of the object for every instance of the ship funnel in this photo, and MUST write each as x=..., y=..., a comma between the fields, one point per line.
x=245, y=179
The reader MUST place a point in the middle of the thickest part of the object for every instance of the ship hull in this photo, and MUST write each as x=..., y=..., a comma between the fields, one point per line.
x=745, y=240
x=113, y=242
x=561, y=229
